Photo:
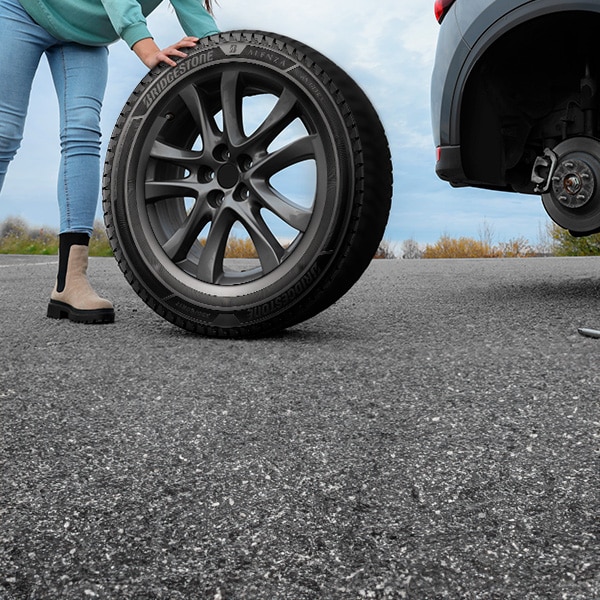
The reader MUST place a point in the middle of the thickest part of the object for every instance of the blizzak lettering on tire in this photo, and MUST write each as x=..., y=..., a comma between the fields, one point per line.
x=284, y=299
x=175, y=73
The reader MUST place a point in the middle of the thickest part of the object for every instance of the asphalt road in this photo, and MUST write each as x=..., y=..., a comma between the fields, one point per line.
x=435, y=434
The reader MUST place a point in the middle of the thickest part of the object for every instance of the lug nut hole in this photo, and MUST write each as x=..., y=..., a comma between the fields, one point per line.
x=222, y=153
x=245, y=163
x=242, y=194
x=216, y=198
x=205, y=175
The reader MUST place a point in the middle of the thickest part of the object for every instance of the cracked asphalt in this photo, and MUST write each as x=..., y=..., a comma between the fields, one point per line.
x=435, y=434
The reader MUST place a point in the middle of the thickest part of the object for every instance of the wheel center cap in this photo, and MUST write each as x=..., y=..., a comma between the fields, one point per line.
x=228, y=175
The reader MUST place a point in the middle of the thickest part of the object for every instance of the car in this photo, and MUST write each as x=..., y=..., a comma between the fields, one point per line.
x=515, y=102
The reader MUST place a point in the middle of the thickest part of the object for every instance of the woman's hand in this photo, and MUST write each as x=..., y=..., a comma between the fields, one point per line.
x=151, y=55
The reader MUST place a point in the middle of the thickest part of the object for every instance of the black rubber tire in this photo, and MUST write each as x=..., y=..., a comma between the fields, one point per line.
x=179, y=160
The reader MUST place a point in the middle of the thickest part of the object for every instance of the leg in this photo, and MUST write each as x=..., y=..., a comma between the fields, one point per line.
x=23, y=43
x=80, y=74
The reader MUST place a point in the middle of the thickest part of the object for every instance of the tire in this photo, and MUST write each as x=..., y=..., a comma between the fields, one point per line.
x=251, y=133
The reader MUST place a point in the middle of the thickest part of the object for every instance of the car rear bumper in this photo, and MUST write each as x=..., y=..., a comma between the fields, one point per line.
x=449, y=165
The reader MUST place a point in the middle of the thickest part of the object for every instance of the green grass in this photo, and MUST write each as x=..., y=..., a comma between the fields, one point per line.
x=16, y=237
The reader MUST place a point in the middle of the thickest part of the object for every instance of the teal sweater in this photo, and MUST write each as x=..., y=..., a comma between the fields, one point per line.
x=101, y=22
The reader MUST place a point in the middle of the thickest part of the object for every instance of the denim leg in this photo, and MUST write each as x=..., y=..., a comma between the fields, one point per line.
x=22, y=44
x=80, y=74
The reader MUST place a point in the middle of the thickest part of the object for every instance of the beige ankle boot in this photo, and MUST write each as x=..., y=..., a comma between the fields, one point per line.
x=78, y=301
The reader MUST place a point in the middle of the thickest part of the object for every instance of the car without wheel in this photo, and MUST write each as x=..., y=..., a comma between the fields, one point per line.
x=515, y=102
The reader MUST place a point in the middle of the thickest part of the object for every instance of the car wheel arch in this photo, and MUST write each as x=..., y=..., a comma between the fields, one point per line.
x=493, y=35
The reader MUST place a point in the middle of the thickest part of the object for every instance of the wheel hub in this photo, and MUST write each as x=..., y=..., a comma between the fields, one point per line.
x=568, y=177
x=573, y=183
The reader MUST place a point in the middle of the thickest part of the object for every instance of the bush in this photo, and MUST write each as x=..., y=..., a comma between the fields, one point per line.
x=240, y=248
x=564, y=244
x=464, y=247
x=237, y=247
x=516, y=248
x=13, y=227
x=16, y=237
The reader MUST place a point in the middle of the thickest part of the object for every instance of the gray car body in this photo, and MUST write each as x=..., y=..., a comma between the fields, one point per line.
x=469, y=29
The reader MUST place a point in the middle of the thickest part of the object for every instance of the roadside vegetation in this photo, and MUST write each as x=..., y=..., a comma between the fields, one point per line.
x=554, y=241
x=564, y=244
x=465, y=247
x=17, y=237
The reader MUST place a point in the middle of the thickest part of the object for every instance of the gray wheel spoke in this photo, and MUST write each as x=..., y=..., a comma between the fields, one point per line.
x=294, y=215
x=178, y=246
x=161, y=190
x=196, y=104
x=270, y=251
x=177, y=188
x=231, y=101
x=180, y=156
x=283, y=113
x=210, y=265
x=295, y=152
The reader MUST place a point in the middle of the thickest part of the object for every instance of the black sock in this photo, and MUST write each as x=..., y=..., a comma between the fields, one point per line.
x=65, y=241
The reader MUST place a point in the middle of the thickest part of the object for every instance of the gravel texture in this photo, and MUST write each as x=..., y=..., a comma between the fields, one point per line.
x=433, y=435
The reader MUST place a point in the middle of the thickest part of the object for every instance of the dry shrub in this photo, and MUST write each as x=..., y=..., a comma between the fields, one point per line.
x=464, y=247
x=240, y=248
x=517, y=248
x=237, y=247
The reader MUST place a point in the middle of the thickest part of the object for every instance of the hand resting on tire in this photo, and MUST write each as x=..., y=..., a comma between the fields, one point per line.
x=151, y=55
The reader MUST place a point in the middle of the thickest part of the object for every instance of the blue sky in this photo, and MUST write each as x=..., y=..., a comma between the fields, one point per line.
x=388, y=48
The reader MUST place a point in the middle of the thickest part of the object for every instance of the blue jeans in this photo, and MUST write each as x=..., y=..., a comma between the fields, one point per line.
x=79, y=74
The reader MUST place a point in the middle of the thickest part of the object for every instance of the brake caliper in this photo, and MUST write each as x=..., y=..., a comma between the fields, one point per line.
x=543, y=171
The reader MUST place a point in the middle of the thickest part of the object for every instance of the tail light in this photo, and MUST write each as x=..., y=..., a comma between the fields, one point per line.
x=441, y=8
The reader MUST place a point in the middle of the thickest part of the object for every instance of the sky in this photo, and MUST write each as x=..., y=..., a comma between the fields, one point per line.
x=388, y=47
